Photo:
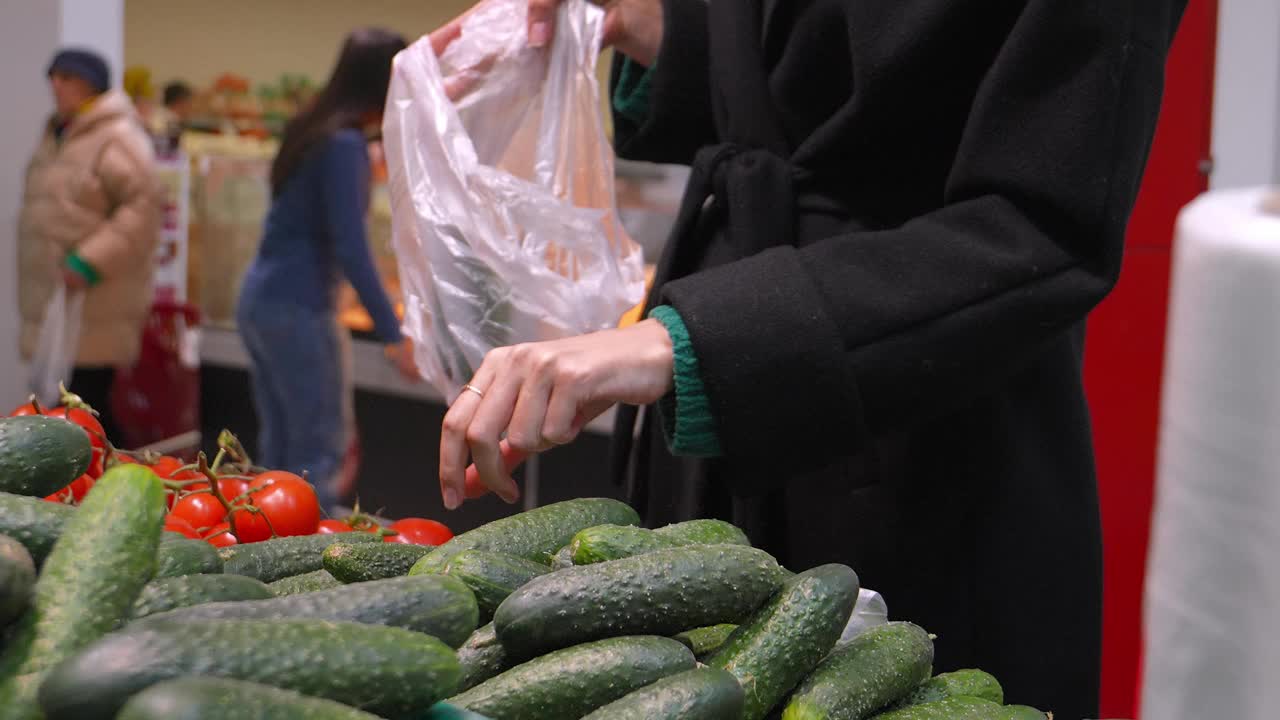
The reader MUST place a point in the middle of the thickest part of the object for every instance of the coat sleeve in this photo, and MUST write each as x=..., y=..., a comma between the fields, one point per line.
x=889, y=329
x=678, y=121
x=129, y=235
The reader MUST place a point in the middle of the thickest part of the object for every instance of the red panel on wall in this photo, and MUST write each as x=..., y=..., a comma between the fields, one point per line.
x=1125, y=350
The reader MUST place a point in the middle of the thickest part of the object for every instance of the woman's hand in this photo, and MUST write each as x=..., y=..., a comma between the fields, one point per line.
x=401, y=356
x=633, y=27
x=541, y=395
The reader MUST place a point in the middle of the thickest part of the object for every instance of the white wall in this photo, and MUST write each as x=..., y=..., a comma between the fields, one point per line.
x=1246, y=113
x=30, y=32
x=99, y=26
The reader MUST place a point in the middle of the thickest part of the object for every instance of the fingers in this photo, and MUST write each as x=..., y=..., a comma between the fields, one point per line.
x=485, y=431
x=542, y=22
x=457, y=86
x=442, y=38
x=511, y=459
x=453, y=438
x=525, y=431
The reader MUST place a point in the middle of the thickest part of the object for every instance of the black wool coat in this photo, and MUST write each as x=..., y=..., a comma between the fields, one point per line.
x=900, y=215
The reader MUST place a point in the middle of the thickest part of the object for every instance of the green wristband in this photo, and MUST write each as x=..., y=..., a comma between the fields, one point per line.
x=81, y=267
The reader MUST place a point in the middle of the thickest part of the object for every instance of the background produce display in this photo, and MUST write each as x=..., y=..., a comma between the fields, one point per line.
x=161, y=589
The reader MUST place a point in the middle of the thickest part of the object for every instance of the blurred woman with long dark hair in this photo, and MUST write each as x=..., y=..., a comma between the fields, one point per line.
x=314, y=234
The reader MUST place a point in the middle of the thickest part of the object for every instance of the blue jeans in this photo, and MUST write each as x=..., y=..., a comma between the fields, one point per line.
x=299, y=391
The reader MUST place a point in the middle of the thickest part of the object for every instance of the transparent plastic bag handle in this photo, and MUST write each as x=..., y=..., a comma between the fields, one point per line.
x=870, y=611
x=56, y=345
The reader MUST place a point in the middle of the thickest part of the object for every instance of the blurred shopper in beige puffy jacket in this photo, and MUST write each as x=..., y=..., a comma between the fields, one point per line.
x=90, y=218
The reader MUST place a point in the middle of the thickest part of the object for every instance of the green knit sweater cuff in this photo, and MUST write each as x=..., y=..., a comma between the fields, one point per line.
x=686, y=412
x=631, y=94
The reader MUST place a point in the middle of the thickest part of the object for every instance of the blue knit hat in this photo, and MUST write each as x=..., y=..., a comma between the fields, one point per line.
x=84, y=64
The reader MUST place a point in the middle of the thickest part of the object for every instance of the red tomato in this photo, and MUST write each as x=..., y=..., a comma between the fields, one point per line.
x=202, y=510
x=231, y=488
x=330, y=527
x=76, y=490
x=28, y=409
x=288, y=501
x=176, y=524
x=419, y=531
x=220, y=536
x=95, y=465
x=250, y=526
x=86, y=420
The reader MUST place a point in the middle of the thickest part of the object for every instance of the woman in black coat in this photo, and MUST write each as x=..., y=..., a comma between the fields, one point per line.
x=868, y=328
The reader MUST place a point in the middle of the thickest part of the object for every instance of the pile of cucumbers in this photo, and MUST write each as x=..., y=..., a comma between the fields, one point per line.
x=566, y=611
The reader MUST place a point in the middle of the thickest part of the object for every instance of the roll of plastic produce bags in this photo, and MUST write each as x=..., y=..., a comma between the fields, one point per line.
x=1213, y=580
x=503, y=214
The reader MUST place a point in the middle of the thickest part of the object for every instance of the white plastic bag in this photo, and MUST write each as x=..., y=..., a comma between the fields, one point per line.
x=503, y=215
x=56, y=346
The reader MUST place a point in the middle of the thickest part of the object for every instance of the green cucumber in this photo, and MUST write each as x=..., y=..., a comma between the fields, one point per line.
x=40, y=455
x=34, y=522
x=1021, y=712
x=572, y=682
x=961, y=683
x=304, y=583
x=211, y=698
x=705, y=640
x=533, y=535
x=431, y=604
x=660, y=593
x=170, y=593
x=786, y=639
x=874, y=670
x=17, y=577
x=563, y=558
x=360, y=562
x=91, y=577
x=613, y=542
x=180, y=556
x=699, y=694
x=704, y=532
x=481, y=658
x=959, y=707
x=492, y=576
x=271, y=560
x=383, y=670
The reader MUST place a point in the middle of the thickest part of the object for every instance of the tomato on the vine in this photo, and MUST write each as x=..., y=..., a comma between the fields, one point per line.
x=287, y=501
x=173, y=523
x=250, y=526
x=75, y=491
x=330, y=527
x=202, y=510
x=86, y=420
x=28, y=409
x=220, y=536
x=419, y=531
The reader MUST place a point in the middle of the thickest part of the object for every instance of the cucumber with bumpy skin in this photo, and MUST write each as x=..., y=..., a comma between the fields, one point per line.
x=90, y=579
x=961, y=683
x=699, y=694
x=177, y=592
x=186, y=556
x=383, y=670
x=660, y=593
x=952, y=708
x=777, y=647
x=876, y=669
x=572, y=682
x=361, y=562
x=210, y=698
x=704, y=532
x=432, y=604
x=1022, y=712
x=304, y=583
x=533, y=535
x=34, y=522
x=17, y=577
x=492, y=576
x=481, y=657
x=279, y=558
x=705, y=640
x=40, y=455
